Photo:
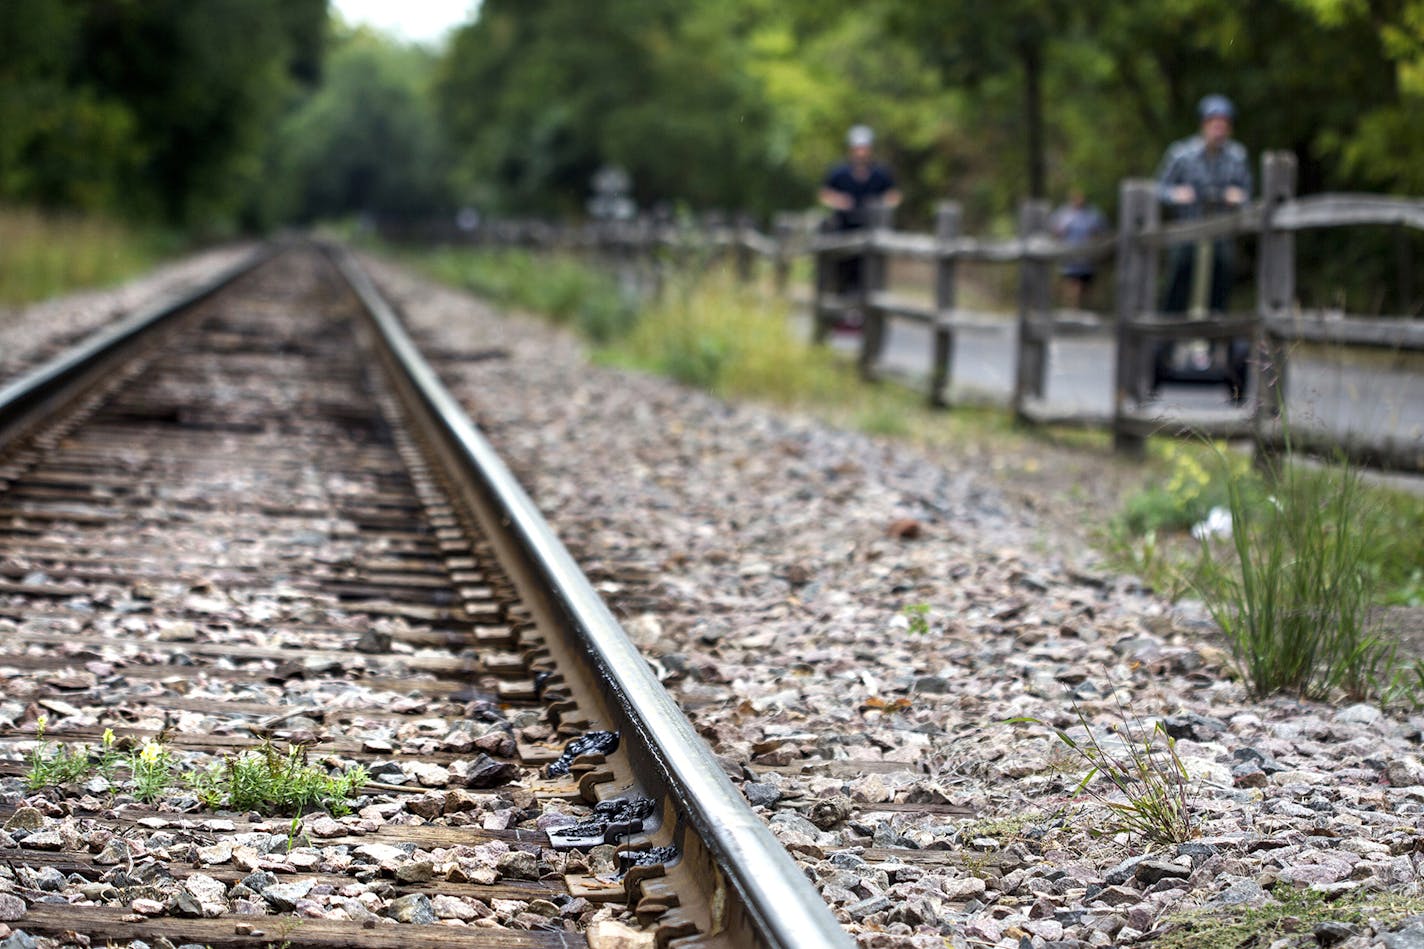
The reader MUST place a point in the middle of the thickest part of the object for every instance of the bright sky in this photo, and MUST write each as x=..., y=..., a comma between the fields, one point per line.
x=421, y=21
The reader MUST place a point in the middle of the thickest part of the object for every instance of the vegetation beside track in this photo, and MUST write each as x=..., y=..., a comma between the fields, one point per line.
x=43, y=255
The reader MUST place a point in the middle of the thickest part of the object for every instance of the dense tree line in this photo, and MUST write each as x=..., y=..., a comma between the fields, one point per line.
x=260, y=111
x=742, y=103
x=158, y=109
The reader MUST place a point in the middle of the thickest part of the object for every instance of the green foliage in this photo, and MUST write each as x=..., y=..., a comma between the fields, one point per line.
x=154, y=109
x=1191, y=489
x=275, y=782
x=209, y=115
x=50, y=766
x=560, y=287
x=743, y=104
x=1188, y=480
x=918, y=616
x=1289, y=914
x=1295, y=601
x=366, y=141
x=265, y=780
x=704, y=330
x=43, y=255
x=538, y=96
x=1154, y=790
x=153, y=770
x=707, y=331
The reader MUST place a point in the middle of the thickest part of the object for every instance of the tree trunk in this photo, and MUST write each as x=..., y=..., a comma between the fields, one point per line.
x=1031, y=55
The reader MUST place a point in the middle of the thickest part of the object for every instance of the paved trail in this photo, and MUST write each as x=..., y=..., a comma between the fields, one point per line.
x=1374, y=394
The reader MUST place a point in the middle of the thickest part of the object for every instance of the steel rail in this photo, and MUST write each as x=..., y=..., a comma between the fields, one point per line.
x=54, y=381
x=785, y=910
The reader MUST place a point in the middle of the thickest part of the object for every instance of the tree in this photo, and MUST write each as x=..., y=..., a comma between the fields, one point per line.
x=537, y=96
x=366, y=141
x=973, y=41
x=160, y=108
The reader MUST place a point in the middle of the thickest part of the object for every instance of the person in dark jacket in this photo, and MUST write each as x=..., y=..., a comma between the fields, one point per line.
x=849, y=190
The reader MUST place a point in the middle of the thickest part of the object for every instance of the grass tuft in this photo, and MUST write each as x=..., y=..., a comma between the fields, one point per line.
x=276, y=782
x=1288, y=914
x=265, y=780
x=1153, y=791
x=709, y=332
x=560, y=287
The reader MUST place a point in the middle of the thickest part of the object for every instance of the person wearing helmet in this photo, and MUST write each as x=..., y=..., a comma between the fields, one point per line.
x=1208, y=173
x=858, y=182
x=849, y=190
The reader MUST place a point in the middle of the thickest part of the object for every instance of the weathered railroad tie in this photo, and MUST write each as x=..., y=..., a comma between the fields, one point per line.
x=252, y=555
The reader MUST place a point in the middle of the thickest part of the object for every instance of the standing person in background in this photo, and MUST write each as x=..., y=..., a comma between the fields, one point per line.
x=849, y=189
x=1077, y=222
x=1205, y=174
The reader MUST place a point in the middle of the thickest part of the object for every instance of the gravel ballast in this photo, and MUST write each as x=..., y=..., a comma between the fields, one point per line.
x=764, y=563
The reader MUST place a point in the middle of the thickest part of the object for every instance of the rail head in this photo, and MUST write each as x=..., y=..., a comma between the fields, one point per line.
x=787, y=910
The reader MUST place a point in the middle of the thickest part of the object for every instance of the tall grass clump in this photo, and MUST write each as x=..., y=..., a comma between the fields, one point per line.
x=43, y=255
x=1295, y=594
x=706, y=330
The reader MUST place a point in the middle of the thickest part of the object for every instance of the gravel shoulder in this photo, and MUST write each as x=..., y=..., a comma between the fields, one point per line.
x=764, y=563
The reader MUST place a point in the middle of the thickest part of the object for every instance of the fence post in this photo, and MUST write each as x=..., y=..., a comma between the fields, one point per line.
x=741, y=235
x=782, y=230
x=1035, y=310
x=872, y=282
x=1138, y=211
x=823, y=275
x=948, y=220
x=1275, y=285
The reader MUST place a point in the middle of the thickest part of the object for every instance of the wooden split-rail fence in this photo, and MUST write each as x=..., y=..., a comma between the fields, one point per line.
x=1134, y=252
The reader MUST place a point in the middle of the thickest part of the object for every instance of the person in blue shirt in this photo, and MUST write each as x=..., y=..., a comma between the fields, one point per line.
x=1077, y=222
x=849, y=190
x=1208, y=173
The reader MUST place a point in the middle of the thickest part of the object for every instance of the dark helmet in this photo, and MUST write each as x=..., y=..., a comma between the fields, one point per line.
x=1214, y=106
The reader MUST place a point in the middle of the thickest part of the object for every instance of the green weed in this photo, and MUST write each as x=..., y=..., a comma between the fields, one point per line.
x=266, y=780
x=152, y=768
x=918, y=616
x=1295, y=600
x=1143, y=767
x=53, y=764
x=707, y=331
x=1290, y=914
x=558, y=286
x=1192, y=486
x=272, y=781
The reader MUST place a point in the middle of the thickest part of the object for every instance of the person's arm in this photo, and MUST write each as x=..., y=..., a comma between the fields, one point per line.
x=888, y=195
x=835, y=200
x=1238, y=190
x=1058, y=222
x=1172, y=187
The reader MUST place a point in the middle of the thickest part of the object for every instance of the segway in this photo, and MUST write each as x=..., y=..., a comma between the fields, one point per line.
x=1201, y=362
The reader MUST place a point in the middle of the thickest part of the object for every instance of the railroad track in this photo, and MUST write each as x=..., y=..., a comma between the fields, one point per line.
x=290, y=659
